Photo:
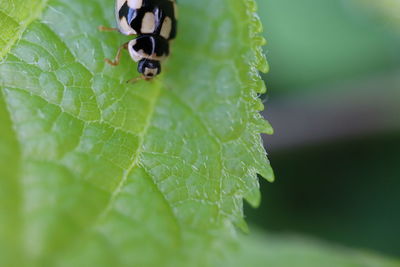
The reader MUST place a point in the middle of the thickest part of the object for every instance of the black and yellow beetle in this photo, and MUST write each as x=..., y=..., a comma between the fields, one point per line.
x=153, y=23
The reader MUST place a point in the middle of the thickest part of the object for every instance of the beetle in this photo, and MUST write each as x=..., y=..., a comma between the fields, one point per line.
x=153, y=23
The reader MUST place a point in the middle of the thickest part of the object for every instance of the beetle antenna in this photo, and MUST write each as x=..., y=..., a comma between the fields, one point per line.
x=136, y=79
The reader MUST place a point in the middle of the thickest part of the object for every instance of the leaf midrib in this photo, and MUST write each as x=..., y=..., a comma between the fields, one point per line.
x=136, y=159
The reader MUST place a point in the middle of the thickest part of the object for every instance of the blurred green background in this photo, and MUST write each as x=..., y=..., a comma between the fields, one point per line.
x=334, y=102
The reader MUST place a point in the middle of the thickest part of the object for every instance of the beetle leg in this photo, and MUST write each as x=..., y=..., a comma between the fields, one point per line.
x=107, y=29
x=117, y=58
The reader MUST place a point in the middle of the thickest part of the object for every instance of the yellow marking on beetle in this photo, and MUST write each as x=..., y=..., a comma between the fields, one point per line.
x=125, y=28
x=120, y=3
x=166, y=28
x=135, y=4
x=148, y=23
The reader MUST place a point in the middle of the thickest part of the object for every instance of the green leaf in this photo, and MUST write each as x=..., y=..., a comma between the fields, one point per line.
x=259, y=250
x=15, y=15
x=98, y=172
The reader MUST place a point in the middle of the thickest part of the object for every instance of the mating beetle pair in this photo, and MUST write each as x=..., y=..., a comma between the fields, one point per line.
x=153, y=22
